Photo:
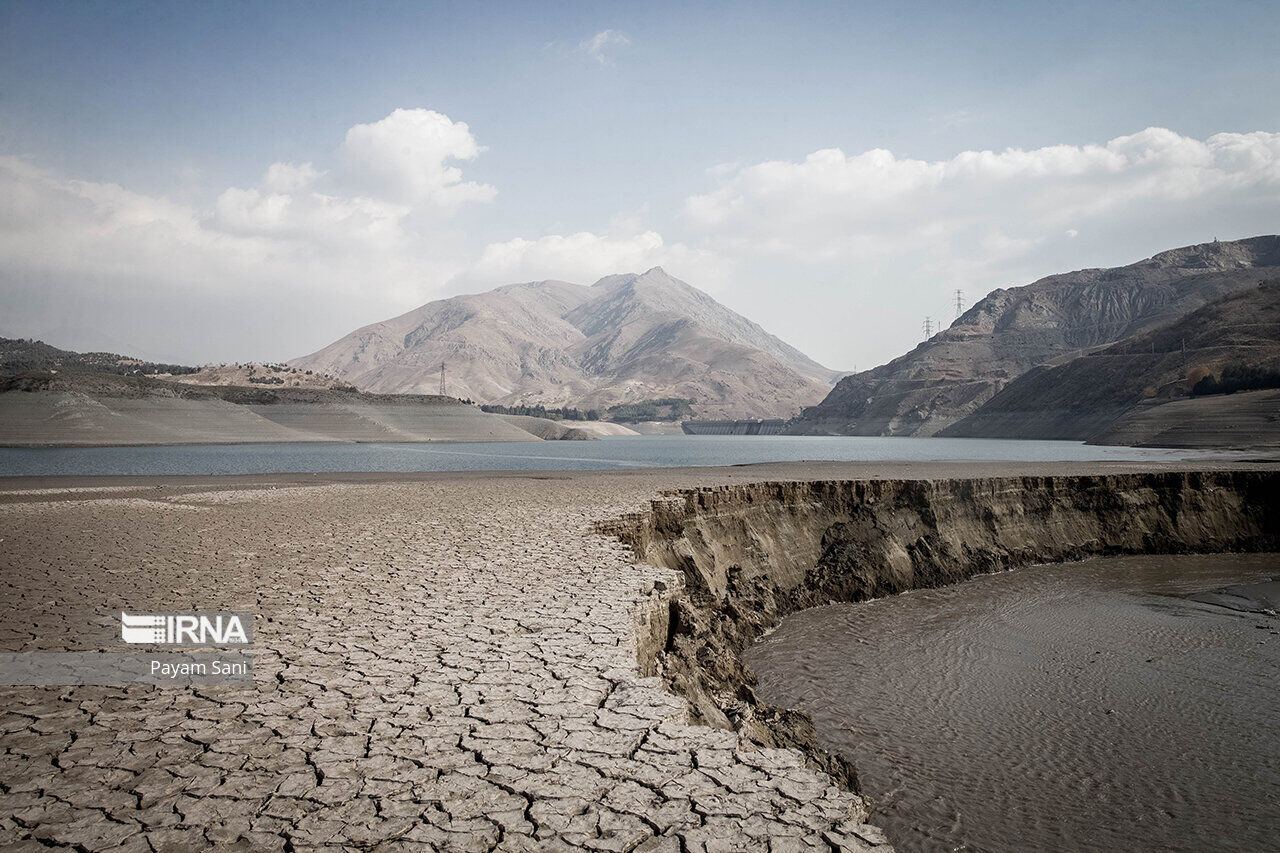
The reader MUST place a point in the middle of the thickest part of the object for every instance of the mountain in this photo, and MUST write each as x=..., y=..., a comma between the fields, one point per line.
x=1050, y=321
x=1142, y=378
x=625, y=339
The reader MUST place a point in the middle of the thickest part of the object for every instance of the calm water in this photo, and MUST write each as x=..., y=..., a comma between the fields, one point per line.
x=1089, y=706
x=628, y=452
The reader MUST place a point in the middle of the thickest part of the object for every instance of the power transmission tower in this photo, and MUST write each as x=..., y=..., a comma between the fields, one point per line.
x=959, y=302
x=928, y=327
x=442, y=394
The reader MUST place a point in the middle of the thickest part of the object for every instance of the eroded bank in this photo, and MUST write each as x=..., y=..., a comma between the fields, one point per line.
x=752, y=553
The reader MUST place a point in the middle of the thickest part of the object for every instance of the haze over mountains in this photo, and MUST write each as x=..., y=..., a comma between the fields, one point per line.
x=1051, y=321
x=626, y=338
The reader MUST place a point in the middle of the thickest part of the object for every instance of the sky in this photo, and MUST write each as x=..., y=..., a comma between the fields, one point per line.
x=242, y=181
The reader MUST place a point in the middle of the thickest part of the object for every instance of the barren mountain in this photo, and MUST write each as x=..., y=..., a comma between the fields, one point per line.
x=1237, y=335
x=955, y=372
x=625, y=339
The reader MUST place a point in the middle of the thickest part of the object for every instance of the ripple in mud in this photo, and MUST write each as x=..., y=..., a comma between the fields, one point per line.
x=1116, y=704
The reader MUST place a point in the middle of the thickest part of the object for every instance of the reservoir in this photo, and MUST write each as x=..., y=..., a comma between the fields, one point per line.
x=658, y=451
x=1114, y=704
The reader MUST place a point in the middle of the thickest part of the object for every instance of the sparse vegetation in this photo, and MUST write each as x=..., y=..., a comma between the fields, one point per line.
x=659, y=409
x=1237, y=378
x=20, y=355
x=562, y=414
x=1195, y=374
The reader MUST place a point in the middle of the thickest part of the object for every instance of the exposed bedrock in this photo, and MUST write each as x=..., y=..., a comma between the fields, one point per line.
x=754, y=553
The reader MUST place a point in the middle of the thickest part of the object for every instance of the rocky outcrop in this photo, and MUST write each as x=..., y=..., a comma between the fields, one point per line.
x=751, y=554
x=625, y=339
x=951, y=375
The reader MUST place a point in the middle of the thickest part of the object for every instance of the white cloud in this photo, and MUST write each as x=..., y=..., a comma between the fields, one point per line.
x=574, y=257
x=832, y=205
x=269, y=271
x=842, y=255
x=584, y=257
x=598, y=46
x=405, y=156
x=289, y=177
x=875, y=235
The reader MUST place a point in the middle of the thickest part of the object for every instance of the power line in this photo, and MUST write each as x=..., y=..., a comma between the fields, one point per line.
x=959, y=302
x=927, y=325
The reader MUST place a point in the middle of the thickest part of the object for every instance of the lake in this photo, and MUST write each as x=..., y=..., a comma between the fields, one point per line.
x=659, y=451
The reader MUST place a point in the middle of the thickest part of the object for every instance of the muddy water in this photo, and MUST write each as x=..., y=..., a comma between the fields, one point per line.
x=1115, y=704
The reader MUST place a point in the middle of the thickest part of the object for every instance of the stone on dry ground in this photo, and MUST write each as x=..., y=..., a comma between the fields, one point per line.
x=439, y=665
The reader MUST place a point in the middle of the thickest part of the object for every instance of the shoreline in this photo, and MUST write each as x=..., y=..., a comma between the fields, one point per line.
x=753, y=554
x=806, y=470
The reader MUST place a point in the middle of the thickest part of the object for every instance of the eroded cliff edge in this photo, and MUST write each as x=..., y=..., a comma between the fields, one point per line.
x=751, y=554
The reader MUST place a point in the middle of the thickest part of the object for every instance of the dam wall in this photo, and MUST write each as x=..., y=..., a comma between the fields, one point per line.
x=739, y=427
x=751, y=554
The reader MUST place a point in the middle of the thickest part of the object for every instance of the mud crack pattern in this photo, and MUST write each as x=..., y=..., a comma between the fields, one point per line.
x=439, y=666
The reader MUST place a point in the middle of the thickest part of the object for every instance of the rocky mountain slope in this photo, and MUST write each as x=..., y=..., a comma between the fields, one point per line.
x=1147, y=371
x=1011, y=331
x=625, y=339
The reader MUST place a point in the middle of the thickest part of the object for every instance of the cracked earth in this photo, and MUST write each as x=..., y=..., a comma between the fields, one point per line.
x=439, y=665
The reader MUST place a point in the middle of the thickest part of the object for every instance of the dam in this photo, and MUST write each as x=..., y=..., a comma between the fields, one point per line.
x=749, y=426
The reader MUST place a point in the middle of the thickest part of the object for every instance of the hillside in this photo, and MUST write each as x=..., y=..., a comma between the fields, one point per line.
x=625, y=339
x=1011, y=331
x=1147, y=371
x=83, y=408
x=264, y=375
x=20, y=355
x=1248, y=419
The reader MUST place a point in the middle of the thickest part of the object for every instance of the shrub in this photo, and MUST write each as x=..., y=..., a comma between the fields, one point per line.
x=1237, y=378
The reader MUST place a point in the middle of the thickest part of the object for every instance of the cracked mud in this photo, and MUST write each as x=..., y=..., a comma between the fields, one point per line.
x=439, y=665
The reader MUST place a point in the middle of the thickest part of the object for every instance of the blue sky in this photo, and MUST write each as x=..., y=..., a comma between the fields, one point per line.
x=659, y=133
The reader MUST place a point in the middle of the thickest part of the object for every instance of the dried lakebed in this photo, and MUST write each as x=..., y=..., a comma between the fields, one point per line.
x=462, y=663
x=441, y=665
x=1096, y=706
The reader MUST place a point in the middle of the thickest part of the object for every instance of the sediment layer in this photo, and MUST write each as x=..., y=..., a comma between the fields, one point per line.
x=751, y=554
x=105, y=409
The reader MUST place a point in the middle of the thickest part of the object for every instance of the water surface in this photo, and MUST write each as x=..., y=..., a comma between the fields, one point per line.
x=1089, y=706
x=659, y=451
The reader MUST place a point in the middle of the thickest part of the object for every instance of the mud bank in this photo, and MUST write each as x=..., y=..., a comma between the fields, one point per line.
x=751, y=554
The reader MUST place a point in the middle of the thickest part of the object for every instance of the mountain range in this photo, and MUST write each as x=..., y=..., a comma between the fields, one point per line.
x=1051, y=322
x=625, y=339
